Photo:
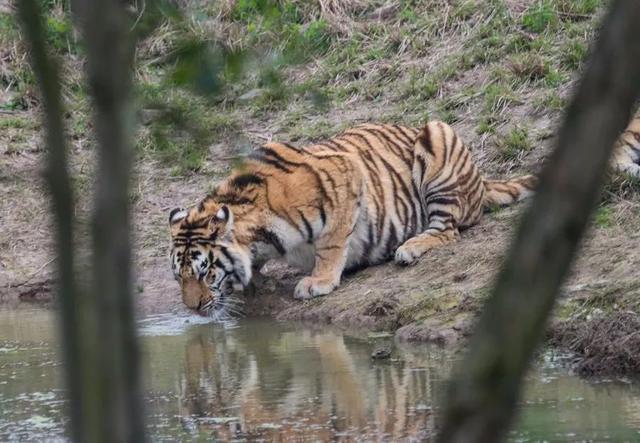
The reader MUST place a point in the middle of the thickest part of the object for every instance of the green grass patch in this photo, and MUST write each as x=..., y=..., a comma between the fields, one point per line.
x=574, y=54
x=9, y=28
x=18, y=122
x=497, y=96
x=550, y=101
x=283, y=25
x=487, y=124
x=180, y=127
x=316, y=130
x=577, y=9
x=514, y=143
x=59, y=34
x=420, y=86
x=449, y=116
x=540, y=16
x=533, y=67
x=604, y=217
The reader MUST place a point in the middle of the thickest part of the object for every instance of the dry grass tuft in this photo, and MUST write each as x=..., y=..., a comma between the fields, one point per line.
x=605, y=345
x=339, y=14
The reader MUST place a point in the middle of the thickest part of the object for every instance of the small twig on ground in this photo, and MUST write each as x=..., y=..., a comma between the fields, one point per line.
x=573, y=15
x=620, y=199
x=36, y=272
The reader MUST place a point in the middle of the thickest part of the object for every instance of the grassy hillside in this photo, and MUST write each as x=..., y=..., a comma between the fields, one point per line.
x=501, y=68
x=215, y=79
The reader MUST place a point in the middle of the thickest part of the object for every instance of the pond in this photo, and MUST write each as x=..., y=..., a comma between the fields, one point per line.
x=258, y=379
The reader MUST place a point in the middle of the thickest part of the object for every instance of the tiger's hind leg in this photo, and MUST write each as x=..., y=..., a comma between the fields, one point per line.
x=442, y=228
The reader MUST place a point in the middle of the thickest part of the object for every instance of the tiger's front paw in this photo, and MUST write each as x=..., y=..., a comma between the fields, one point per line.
x=311, y=287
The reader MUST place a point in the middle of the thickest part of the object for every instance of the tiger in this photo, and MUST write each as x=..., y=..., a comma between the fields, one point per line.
x=626, y=153
x=369, y=194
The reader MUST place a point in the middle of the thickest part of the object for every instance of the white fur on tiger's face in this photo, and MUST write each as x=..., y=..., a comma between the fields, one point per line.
x=372, y=193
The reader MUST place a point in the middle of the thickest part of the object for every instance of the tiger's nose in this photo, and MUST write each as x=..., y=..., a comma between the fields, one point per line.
x=192, y=293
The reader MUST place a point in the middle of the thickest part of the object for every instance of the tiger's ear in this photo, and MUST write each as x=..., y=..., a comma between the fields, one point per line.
x=177, y=215
x=222, y=221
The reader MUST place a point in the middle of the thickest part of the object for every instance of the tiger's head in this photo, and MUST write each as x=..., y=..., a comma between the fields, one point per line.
x=206, y=258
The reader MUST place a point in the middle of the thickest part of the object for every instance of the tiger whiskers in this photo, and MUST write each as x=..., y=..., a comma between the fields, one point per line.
x=226, y=308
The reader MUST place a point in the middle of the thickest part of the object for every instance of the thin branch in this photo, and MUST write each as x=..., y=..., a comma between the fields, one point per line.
x=32, y=275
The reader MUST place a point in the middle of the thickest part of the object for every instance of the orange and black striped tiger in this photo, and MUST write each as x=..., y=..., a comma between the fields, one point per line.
x=626, y=154
x=369, y=194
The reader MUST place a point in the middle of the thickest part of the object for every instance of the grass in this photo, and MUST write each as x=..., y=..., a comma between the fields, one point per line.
x=514, y=144
x=179, y=128
x=314, y=131
x=18, y=122
x=469, y=60
x=550, y=101
x=604, y=217
x=577, y=8
x=574, y=54
x=540, y=16
x=621, y=186
x=487, y=125
x=498, y=97
x=421, y=86
x=532, y=67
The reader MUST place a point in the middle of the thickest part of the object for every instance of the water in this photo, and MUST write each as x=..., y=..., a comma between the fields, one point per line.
x=258, y=379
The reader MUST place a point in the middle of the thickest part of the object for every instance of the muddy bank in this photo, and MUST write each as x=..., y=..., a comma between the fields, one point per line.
x=596, y=316
x=437, y=299
x=608, y=344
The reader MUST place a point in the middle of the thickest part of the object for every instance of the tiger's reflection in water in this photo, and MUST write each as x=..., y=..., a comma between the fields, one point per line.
x=282, y=384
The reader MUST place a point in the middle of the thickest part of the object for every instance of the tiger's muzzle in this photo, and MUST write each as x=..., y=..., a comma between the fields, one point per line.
x=197, y=296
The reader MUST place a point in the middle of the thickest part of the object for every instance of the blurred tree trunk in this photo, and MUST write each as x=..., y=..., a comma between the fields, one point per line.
x=110, y=50
x=486, y=386
x=100, y=346
x=62, y=202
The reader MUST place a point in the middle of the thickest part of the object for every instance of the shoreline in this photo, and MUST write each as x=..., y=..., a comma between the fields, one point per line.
x=602, y=342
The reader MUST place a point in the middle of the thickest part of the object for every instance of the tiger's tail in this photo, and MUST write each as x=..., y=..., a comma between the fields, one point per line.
x=505, y=192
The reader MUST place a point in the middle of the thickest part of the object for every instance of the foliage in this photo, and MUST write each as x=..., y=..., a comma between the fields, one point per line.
x=540, y=16
x=603, y=217
x=514, y=144
x=273, y=59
